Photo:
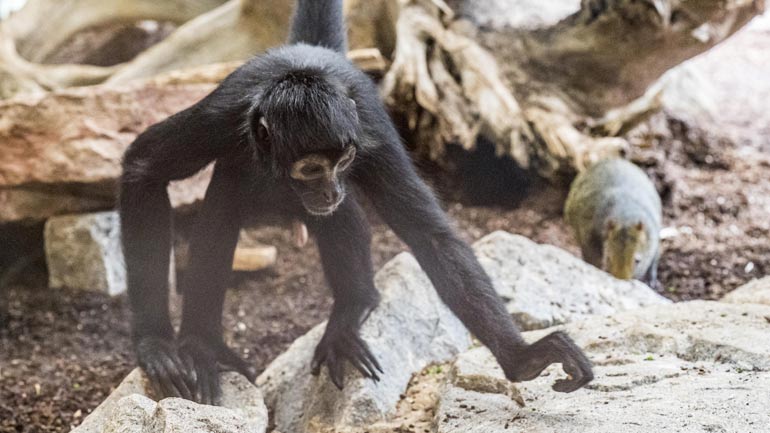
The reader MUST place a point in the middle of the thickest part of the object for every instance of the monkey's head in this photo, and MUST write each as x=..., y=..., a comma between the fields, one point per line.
x=307, y=124
x=625, y=246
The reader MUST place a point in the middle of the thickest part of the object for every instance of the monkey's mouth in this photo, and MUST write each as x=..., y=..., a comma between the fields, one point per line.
x=323, y=211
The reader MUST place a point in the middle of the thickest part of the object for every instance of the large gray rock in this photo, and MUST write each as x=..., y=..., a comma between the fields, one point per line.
x=690, y=367
x=410, y=329
x=84, y=252
x=544, y=285
x=753, y=292
x=129, y=410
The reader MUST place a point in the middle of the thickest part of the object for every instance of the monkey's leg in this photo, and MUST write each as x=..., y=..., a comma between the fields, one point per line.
x=201, y=346
x=408, y=206
x=344, y=243
x=173, y=149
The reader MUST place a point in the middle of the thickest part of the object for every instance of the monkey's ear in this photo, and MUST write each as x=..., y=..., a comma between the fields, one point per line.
x=262, y=130
x=353, y=108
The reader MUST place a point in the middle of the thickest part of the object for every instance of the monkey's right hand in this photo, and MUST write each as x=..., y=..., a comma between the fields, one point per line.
x=190, y=367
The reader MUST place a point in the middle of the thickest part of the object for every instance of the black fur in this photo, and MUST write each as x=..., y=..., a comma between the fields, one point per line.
x=313, y=100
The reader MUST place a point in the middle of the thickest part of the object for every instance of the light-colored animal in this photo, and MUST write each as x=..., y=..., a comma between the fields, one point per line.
x=615, y=211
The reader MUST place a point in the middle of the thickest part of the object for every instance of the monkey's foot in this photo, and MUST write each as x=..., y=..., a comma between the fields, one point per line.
x=528, y=362
x=190, y=368
x=335, y=347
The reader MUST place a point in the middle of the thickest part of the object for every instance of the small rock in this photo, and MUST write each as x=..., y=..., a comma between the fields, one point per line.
x=132, y=414
x=545, y=285
x=84, y=252
x=129, y=410
x=753, y=292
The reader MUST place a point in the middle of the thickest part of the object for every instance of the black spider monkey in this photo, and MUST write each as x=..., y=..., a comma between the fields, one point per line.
x=289, y=131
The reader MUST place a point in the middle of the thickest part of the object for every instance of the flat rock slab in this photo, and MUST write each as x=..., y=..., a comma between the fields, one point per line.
x=129, y=410
x=544, y=285
x=690, y=367
x=62, y=149
x=753, y=292
x=409, y=330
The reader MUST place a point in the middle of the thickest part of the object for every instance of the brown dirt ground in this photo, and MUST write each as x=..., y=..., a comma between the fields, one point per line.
x=62, y=352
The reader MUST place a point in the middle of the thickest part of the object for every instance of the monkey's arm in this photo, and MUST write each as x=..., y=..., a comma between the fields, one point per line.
x=411, y=210
x=173, y=149
x=344, y=242
x=201, y=347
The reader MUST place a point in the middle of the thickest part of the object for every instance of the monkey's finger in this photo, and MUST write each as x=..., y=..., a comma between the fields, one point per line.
x=336, y=370
x=362, y=359
x=204, y=387
x=580, y=375
x=192, y=374
x=369, y=355
x=216, y=389
x=568, y=385
x=168, y=375
x=152, y=376
x=178, y=375
x=165, y=382
x=318, y=359
x=358, y=361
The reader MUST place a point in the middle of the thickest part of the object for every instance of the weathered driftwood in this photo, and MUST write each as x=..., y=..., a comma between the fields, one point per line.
x=210, y=31
x=552, y=85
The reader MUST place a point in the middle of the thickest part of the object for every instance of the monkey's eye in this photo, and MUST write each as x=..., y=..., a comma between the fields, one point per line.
x=311, y=171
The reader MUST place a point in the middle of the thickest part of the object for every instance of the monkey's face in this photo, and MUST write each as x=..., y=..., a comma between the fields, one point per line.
x=318, y=180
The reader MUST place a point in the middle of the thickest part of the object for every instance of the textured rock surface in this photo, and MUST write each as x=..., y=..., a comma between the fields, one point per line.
x=129, y=410
x=753, y=292
x=410, y=329
x=84, y=252
x=544, y=285
x=689, y=367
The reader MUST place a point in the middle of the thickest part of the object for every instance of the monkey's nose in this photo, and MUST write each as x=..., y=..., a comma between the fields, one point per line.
x=331, y=196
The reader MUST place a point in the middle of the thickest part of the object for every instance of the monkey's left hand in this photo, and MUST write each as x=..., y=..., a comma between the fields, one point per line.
x=341, y=343
x=203, y=359
x=526, y=363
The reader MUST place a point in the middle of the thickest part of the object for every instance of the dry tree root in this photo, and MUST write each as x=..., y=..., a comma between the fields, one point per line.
x=569, y=89
x=451, y=90
x=210, y=31
x=24, y=48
